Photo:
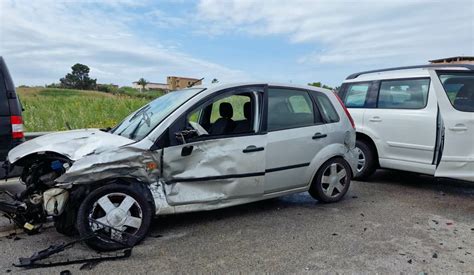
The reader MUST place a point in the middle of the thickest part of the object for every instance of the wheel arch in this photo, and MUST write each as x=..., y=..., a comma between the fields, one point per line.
x=327, y=153
x=369, y=141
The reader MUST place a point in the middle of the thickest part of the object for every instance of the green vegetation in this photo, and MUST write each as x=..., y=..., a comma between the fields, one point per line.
x=49, y=109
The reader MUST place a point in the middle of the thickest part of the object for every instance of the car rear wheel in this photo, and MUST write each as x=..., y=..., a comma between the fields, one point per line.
x=115, y=206
x=331, y=181
x=366, y=162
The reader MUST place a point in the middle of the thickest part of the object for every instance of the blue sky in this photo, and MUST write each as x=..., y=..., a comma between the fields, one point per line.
x=297, y=41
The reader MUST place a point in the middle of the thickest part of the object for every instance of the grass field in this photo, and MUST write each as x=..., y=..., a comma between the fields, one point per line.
x=48, y=109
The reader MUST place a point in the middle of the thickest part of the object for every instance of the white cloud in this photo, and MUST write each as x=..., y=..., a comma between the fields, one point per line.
x=367, y=32
x=41, y=40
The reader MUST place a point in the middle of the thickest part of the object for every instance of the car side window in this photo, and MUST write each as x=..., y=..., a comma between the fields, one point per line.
x=288, y=108
x=327, y=109
x=356, y=95
x=228, y=115
x=403, y=94
x=460, y=90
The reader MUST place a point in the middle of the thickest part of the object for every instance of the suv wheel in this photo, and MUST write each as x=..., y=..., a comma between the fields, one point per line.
x=365, y=160
x=332, y=181
x=118, y=206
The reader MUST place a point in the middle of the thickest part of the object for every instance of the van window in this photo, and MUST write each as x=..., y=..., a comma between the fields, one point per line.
x=356, y=95
x=460, y=90
x=4, y=106
x=289, y=108
x=403, y=94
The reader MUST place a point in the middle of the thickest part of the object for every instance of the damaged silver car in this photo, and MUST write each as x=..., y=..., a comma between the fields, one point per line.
x=189, y=150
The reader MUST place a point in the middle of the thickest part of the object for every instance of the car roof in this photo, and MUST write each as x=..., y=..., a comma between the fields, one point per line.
x=404, y=72
x=215, y=87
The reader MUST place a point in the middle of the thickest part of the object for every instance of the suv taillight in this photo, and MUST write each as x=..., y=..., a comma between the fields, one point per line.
x=345, y=110
x=17, y=127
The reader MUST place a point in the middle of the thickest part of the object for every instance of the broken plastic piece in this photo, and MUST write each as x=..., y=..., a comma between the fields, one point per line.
x=33, y=261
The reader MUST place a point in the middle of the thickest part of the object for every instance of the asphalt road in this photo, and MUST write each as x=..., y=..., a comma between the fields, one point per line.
x=397, y=222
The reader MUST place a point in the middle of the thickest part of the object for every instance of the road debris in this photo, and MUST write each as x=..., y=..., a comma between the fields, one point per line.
x=89, y=263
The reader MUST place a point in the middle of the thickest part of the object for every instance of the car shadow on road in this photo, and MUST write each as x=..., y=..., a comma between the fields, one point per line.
x=419, y=181
x=249, y=210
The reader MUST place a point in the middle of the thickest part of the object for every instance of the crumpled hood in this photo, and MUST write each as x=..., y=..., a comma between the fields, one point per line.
x=72, y=144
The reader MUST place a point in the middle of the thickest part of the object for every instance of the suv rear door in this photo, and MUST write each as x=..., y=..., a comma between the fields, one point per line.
x=403, y=124
x=455, y=92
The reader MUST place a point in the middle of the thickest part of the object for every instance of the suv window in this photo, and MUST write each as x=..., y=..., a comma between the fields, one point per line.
x=289, y=108
x=460, y=90
x=356, y=95
x=403, y=94
x=4, y=106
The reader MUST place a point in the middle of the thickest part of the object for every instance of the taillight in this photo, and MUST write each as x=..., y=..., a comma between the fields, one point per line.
x=17, y=127
x=345, y=110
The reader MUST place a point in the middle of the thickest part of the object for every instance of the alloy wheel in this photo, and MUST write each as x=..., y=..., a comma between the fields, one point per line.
x=334, y=180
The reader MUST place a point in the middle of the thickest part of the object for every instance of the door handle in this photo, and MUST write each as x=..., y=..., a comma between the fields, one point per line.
x=253, y=148
x=458, y=128
x=375, y=119
x=319, y=135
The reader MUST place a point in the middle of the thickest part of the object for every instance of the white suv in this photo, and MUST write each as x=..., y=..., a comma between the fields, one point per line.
x=417, y=118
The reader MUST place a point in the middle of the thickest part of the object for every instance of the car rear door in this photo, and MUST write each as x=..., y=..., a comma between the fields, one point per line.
x=455, y=92
x=296, y=133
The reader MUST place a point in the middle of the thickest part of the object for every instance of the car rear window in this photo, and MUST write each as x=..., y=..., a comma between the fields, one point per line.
x=460, y=90
x=4, y=107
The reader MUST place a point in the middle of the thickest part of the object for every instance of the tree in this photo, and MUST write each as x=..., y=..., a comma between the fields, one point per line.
x=78, y=78
x=142, y=82
x=319, y=84
x=215, y=80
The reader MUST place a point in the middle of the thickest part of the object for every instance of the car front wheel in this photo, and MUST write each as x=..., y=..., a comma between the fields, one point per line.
x=116, y=214
x=331, y=181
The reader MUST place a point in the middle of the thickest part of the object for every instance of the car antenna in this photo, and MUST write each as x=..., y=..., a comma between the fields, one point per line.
x=195, y=82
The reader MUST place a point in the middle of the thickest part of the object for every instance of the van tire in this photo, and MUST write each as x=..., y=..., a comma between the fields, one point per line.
x=369, y=158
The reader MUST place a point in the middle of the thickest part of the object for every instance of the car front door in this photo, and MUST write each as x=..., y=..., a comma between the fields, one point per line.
x=455, y=92
x=227, y=161
x=295, y=134
x=403, y=124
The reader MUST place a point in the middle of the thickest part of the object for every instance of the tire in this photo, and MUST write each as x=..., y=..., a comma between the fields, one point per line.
x=366, y=162
x=106, y=205
x=331, y=184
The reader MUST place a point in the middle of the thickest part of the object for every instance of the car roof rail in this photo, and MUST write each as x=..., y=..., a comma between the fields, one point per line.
x=467, y=66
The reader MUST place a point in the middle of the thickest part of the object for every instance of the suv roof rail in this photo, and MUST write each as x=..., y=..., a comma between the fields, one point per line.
x=467, y=66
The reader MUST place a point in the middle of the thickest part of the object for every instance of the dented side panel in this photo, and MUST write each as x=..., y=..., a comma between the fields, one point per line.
x=216, y=170
x=124, y=162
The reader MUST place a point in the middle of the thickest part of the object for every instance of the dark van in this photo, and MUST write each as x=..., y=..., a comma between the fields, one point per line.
x=11, y=122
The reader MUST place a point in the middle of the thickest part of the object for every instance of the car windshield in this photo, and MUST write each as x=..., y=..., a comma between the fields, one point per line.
x=140, y=123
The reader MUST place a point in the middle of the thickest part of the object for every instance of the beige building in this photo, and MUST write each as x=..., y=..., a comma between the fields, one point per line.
x=176, y=82
x=151, y=86
x=454, y=60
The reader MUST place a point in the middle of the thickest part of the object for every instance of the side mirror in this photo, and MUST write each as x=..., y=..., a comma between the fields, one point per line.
x=186, y=135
